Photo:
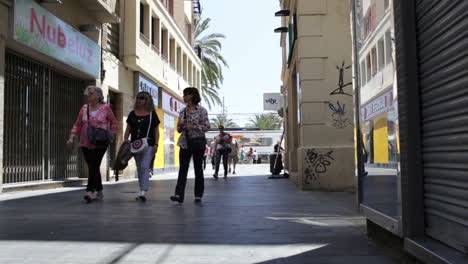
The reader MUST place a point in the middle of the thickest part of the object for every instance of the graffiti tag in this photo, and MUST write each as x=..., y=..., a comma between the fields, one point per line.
x=316, y=165
x=340, y=120
x=341, y=84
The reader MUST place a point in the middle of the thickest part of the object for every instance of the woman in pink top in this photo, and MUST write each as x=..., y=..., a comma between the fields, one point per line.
x=100, y=115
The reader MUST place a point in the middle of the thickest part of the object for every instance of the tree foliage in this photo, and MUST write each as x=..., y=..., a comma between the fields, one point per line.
x=222, y=120
x=212, y=61
x=266, y=122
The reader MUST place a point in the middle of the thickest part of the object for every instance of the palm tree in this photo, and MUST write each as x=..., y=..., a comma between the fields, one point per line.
x=222, y=120
x=212, y=61
x=266, y=122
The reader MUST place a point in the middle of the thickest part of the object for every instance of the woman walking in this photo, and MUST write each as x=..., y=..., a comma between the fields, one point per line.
x=93, y=116
x=193, y=123
x=142, y=125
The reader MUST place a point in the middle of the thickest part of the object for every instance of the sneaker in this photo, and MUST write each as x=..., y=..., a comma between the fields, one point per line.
x=87, y=198
x=234, y=172
x=176, y=198
x=215, y=176
x=197, y=199
x=229, y=170
x=142, y=198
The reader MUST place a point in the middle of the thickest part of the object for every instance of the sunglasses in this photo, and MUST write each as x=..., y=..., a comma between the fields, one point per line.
x=141, y=98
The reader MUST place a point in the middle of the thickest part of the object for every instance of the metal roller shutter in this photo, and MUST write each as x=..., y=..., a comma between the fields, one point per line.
x=442, y=38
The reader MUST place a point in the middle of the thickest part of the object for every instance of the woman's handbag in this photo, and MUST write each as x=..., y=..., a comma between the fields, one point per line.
x=98, y=136
x=139, y=145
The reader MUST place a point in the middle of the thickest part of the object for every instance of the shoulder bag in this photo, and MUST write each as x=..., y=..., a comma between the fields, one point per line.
x=140, y=144
x=98, y=136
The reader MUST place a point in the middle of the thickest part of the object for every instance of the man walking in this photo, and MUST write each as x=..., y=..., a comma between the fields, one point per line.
x=222, y=142
x=233, y=157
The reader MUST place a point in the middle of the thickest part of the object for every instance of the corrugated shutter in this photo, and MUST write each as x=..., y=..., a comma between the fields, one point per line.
x=442, y=37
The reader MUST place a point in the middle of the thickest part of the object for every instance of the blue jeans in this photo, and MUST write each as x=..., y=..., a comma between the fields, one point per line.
x=143, y=161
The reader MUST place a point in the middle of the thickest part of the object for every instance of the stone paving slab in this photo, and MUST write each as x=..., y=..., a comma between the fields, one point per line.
x=243, y=219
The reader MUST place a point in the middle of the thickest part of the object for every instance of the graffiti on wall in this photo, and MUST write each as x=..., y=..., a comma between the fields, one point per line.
x=341, y=84
x=316, y=164
x=340, y=120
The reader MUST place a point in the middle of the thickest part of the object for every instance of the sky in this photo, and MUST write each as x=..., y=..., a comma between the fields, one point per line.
x=251, y=49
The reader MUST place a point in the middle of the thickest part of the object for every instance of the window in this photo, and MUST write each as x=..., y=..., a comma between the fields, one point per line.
x=388, y=46
x=374, y=61
x=368, y=68
x=142, y=18
x=381, y=53
x=363, y=73
x=172, y=52
x=164, y=43
x=170, y=7
x=155, y=29
x=179, y=60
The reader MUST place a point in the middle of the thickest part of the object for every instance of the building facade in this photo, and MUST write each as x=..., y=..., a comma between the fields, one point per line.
x=51, y=50
x=157, y=55
x=409, y=59
x=317, y=86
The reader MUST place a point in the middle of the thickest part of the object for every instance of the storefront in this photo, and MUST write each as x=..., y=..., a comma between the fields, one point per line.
x=171, y=107
x=47, y=66
x=413, y=173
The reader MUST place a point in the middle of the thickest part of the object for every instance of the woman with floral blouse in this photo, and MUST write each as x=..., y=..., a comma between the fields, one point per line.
x=100, y=115
x=193, y=123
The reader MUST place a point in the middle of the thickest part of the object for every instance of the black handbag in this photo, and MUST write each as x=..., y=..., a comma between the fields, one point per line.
x=98, y=136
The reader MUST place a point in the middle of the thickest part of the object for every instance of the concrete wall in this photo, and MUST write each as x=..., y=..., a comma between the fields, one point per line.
x=320, y=110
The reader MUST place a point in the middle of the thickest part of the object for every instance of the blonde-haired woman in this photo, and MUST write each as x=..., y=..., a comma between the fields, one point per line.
x=142, y=123
x=99, y=115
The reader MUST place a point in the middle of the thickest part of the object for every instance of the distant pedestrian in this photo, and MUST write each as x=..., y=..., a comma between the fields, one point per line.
x=249, y=156
x=213, y=153
x=277, y=148
x=222, y=146
x=242, y=153
x=254, y=157
x=233, y=156
x=205, y=155
x=193, y=123
x=96, y=126
x=142, y=127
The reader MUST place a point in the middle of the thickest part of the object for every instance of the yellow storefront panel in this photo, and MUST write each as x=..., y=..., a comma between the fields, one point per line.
x=177, y=148
x=159, y=160
x=380, y=139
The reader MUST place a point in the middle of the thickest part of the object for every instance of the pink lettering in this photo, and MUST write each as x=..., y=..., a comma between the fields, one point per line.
x=34, y=19
x=51, y=36
x=62, y=40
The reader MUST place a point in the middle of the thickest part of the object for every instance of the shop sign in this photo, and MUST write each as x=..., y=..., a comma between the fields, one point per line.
x=170, y=104
x=272, y=101
x=146, y=85
x=380, y=105
x=38, y=29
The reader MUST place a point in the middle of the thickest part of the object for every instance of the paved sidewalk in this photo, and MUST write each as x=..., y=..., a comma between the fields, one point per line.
x=244, y=219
